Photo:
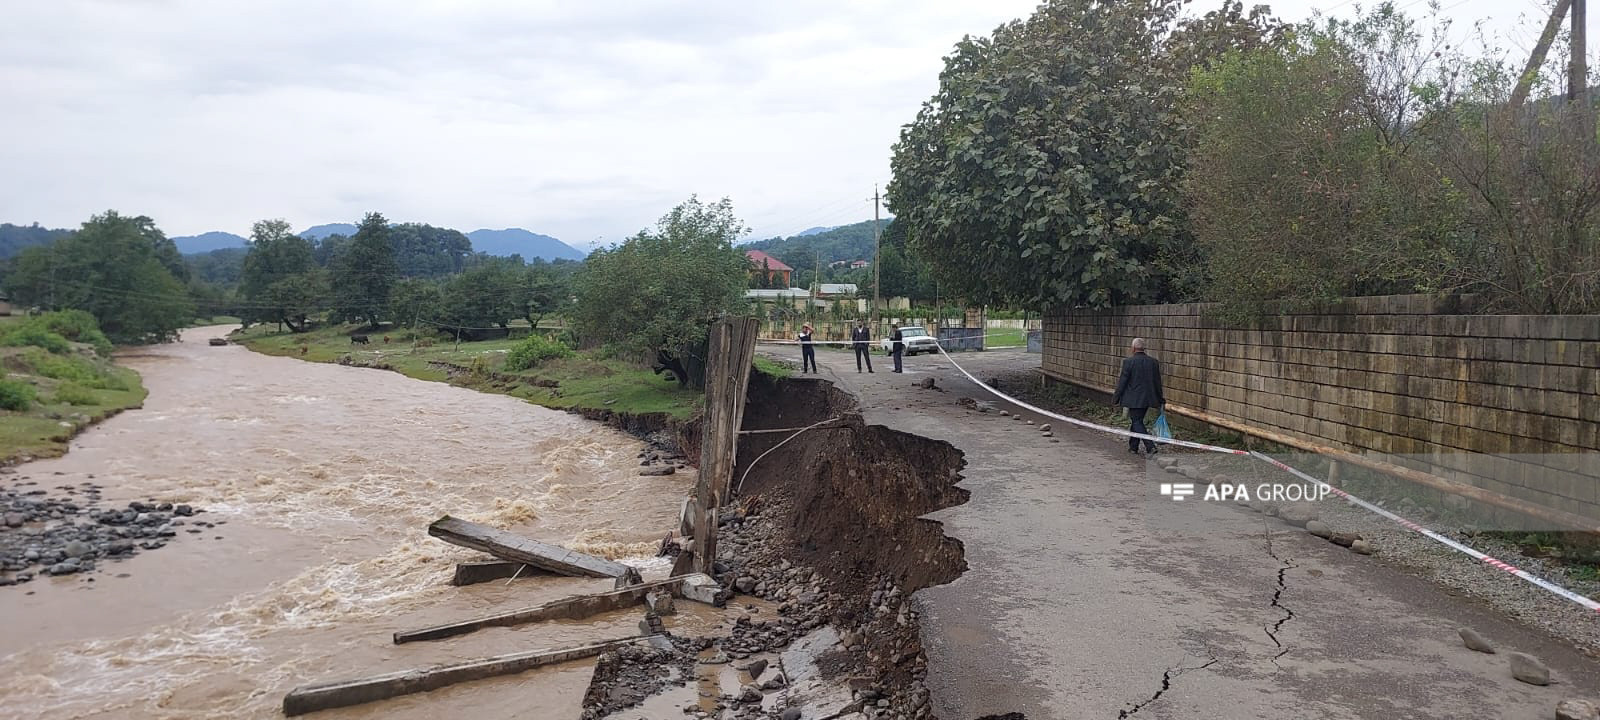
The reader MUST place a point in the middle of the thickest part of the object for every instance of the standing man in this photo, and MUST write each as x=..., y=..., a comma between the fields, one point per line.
x=861, y=340
x=898, y=346
x=808, y=352
x=1138, y=390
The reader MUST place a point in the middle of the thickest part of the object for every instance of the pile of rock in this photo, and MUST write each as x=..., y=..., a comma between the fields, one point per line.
x=68, y=535
x=661, y=456
x=626, y=676
x=881, y=657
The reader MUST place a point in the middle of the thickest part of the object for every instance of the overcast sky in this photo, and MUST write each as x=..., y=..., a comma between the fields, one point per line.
x=584, y=121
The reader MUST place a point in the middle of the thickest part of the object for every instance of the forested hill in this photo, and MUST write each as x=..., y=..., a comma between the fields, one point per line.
x=846, y=242
x=15, y=238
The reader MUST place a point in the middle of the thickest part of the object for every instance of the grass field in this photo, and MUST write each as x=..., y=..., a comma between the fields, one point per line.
x=1000, y=337
x=579, y=382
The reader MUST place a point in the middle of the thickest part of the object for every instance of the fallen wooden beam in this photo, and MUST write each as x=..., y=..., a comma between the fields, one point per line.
x=344, y=693
x=576, y=607
x=472, y=573
x=544, y=556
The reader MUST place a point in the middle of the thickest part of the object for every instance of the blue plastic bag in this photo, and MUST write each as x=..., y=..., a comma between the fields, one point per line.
x=1159, y=428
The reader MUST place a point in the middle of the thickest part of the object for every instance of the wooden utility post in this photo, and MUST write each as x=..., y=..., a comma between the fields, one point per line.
x=732, y=349
x=1540, y=49
x=877, y=257
x=1578, y=76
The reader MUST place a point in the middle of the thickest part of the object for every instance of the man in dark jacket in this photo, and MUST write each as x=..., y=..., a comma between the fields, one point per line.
x=861, y=340
x=1138, y=390
x=898, y=346
x=808, y=351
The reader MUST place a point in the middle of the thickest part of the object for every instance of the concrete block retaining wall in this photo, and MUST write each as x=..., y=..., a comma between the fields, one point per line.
x=1420, y=379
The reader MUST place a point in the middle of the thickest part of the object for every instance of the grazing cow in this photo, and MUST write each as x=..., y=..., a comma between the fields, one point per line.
x=386, y=339
x=359, y=340
x=303, y=350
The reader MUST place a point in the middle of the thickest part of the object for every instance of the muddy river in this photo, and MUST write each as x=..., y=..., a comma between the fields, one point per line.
x=321, y=480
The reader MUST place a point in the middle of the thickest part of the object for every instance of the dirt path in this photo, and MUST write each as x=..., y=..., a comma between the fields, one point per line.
x=1090, y=596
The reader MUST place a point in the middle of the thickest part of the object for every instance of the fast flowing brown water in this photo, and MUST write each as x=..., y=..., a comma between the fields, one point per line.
x=327, y=477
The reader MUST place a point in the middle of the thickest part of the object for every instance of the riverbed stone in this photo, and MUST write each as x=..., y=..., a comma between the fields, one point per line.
x=1474, y=641
x=658, y=470
x=14, y=519
x=1528, y=669
x=1573, y=709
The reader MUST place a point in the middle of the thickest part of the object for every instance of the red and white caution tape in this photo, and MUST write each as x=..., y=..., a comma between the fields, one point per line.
x=1409, y=525
x=1452, y=544
x=1087, y=424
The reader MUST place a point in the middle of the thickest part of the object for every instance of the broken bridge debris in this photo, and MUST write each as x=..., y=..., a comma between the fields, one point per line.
x=551, y=558
x=344, y=693
x=577, y=607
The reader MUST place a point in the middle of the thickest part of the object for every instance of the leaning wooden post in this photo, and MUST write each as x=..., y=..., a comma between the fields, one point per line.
x=732, y=349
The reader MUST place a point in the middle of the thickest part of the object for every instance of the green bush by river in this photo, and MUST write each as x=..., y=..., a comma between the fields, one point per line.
x=58, y=379
x=554, y=378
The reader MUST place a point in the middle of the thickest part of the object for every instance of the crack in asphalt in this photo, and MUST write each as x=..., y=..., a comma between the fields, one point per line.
x=1272, y=632
x=1166, y=684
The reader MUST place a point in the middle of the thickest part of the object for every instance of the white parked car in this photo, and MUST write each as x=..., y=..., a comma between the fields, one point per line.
x=915, y=339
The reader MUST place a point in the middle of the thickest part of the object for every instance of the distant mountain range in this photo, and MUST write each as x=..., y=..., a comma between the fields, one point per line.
x=206, y=242
x=516, y=241
x=503, y=243
x=814, y=231
x=318, y=232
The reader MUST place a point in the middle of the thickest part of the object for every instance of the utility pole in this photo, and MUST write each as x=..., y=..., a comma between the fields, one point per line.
x=877, y=258
x=1578, y=76
x=1536, y=58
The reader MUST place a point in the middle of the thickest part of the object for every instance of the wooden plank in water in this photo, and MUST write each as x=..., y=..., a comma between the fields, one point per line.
x=507, y=546
x=344, y=693
x=576, y=607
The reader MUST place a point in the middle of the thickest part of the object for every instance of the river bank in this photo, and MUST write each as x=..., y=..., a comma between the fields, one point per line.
x=323, y=480
x=822, y=622
x=54, y=393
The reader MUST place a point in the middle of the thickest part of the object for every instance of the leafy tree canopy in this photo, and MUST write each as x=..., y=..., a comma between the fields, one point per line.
x=1044, y=173
x=659, y=289
x=364, y=271
x=119, y=269
x=280, y=277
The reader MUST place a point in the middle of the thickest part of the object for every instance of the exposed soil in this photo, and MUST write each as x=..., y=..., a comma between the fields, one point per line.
x=828, y=526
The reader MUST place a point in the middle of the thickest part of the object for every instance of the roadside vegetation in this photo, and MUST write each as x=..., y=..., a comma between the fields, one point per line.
x=58, y=379
x=1098, y=154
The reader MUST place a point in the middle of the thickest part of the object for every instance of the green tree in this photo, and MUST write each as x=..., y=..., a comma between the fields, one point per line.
x=657, y=291
x=1044, y=172
x=273, y=271
x=428, y=251
x=297, y=297
x=415, y=300
x=487, y=295
x=364, y=271
x=118, y=269
x=547, y=288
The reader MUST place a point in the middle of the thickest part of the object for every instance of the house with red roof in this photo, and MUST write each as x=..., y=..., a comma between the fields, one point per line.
x=776, y=271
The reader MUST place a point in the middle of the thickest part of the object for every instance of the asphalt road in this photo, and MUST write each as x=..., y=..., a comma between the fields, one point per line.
x=1088, y=595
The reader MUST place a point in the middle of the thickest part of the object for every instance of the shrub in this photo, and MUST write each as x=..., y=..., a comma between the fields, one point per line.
x=533, y=351
x=73, y=368
x=53, y=330
x=71, y=393
x=29, y=335
x=16, y=395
